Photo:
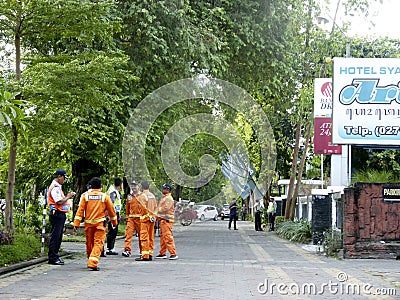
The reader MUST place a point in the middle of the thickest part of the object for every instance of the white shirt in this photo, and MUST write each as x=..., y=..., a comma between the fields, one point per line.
x=57, y=192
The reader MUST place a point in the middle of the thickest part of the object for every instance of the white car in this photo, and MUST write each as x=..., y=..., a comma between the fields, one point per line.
x=206, y=212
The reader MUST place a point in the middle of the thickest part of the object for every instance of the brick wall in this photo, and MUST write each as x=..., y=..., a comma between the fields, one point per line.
x=371, y=225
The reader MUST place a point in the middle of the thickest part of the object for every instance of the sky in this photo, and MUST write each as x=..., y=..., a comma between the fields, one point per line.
x=385, y=16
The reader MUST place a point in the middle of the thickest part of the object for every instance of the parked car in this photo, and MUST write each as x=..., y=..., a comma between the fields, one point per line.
x=225, y=212
x=206, y=212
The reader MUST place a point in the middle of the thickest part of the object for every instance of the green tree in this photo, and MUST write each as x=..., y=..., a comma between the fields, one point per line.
x=69, y=68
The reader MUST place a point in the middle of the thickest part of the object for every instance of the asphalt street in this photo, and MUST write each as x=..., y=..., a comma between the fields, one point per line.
x=214, y=263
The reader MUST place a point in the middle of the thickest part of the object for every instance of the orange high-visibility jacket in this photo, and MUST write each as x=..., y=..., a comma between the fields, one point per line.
x=165, y=209
x=145, y=213
x=151, y=201
x=93, y=206
x=61, y=207
x=133, y=206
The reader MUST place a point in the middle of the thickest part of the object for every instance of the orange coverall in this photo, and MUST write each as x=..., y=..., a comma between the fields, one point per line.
x=149, y=203
x=165, y=212
x=93, y=207
x=133, y=209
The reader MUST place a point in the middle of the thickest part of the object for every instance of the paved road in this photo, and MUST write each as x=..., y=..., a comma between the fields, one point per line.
x=214, y=263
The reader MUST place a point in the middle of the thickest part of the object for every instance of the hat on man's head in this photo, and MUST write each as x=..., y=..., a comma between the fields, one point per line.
x=167, y=186
x=134, y=182
x=61, y=172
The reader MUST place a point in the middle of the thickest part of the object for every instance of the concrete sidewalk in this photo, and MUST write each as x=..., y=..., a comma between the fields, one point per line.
x=214, y=263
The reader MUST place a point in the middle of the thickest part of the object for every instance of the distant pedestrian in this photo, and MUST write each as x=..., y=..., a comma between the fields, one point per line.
x=59, y=205
x=257, y=218
x=165, y=213
x=271, y=211
x=243, y=211
x=233, y=214
x=93, y=207
x=115, y=196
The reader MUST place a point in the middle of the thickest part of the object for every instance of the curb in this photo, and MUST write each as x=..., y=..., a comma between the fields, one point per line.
x=35, y=261
x=29, y=263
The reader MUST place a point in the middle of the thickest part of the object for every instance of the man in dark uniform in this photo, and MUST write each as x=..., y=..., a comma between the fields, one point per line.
x=233, y=214
x=59, y=206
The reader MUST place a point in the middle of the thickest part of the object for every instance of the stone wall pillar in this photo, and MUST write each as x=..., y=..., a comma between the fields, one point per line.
x=372, y=221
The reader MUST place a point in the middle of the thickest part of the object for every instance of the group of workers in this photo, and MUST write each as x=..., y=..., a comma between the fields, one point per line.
x=97, y=207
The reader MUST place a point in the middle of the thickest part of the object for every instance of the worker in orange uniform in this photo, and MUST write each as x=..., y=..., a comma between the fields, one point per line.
x=93, y=207
x=147, y=219
x=133, y=210
x=165, y=213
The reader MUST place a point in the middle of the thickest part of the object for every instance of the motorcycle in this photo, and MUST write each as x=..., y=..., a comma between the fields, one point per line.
x=185, y=215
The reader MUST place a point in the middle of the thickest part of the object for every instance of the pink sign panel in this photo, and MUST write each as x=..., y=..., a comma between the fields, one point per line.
x=322, y=137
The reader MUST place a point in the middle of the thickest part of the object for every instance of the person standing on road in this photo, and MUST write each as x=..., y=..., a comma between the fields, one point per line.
x=147, y=219
x=243, y=211
x=271, y=213
x=257, y=218
x=133, y=208
x=165, y=213
x=233, y=214
x=59, y=206
x=115, y=196
x=93, y=206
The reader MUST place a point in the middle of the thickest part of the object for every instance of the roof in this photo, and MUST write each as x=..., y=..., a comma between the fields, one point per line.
x=305, y=181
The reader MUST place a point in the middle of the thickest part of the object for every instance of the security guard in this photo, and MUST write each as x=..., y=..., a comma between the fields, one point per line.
x=93, y=207
x=59, y=206
x=165, y=213
x=115, y=196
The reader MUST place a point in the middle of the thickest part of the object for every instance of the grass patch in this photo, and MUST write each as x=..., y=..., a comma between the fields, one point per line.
x=74, y=238
x=121, y=229
x=25, y=246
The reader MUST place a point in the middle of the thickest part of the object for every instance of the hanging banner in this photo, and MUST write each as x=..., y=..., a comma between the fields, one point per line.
x=322, y=117
x=322, y=97
x=366, y=101
x=322, y=137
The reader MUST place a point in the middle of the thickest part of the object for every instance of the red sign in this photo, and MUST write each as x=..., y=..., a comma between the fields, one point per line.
x=322, y=137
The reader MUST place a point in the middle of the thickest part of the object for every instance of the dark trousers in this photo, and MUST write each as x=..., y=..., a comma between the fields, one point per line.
x=232, y=218
x=243, y=216
x=57, y=221
x=271, y=219
x=257, y=221
x=112, y=235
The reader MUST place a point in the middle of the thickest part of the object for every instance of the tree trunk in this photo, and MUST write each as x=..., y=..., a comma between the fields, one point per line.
x=12, y=157
x=12, y=161
x=300, y=173
x=289, y=198
x=178, y=192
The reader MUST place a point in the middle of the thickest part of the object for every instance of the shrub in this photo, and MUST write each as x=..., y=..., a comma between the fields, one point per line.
x=295, y=231
x=32, y=218
x=6, y=238
x=332, y=242
x=279, y=220
x=376, y=176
